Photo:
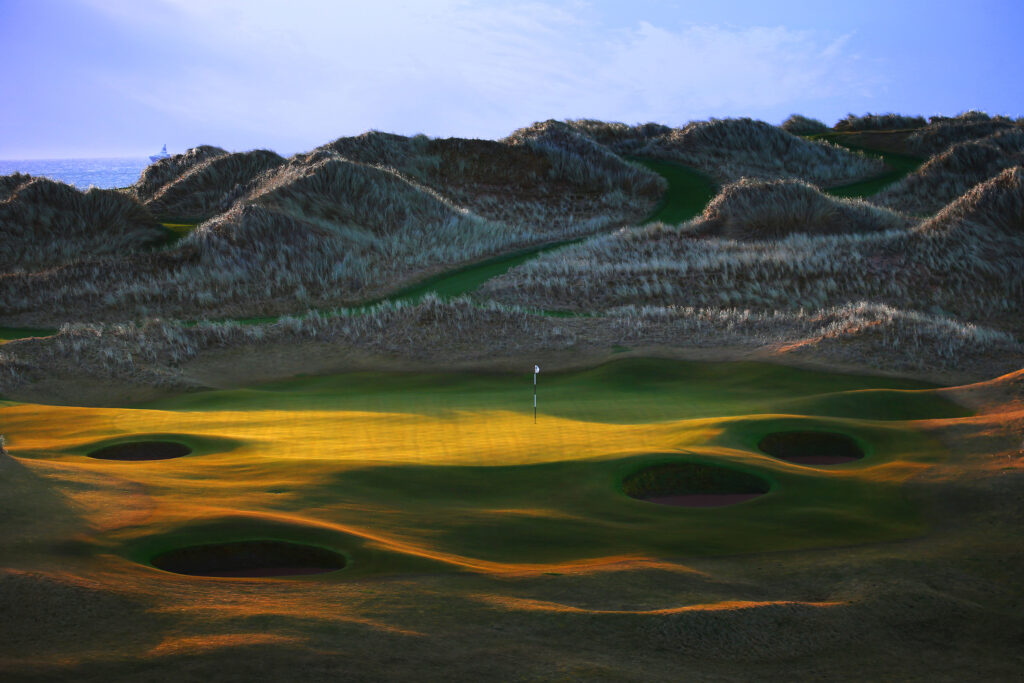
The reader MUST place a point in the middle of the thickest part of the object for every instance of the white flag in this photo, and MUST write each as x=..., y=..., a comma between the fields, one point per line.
x=536, y=369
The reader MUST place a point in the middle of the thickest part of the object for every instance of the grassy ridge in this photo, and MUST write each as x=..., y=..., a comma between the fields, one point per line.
x=323, y=229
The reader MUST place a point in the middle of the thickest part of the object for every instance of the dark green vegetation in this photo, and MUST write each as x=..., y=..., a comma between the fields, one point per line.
x=464, y=280
x=811, y=448
x=645, y=391
x=691, y=478
x=899, y=165
x=574, y=510
x=12, y=333
x=687, y=194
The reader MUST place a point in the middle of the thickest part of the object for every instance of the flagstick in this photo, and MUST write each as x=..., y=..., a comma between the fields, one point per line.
x=536, y=371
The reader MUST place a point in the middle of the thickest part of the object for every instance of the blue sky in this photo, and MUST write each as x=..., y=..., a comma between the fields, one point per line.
x=121, y=77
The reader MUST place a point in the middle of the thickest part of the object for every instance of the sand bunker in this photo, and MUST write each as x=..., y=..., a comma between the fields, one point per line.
x=142, y=450
x=250, y=559
x=694, y=485
x=811, y=448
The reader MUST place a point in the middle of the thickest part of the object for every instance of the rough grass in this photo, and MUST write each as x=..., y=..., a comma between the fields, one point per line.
x=763, y=209
x=888, y=121
x=803, y=125
x=995, y=205
x=545, y=180
x=948, y=175
x=943, y=131
x=206, y=187
x=432, y=331
x=44, y=223
x=328, y=229
x=972, y=272
x=164, y=172
x=729, y=149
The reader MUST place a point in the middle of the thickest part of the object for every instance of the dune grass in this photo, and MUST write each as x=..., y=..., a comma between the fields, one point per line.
x=798, y=124
x=323, y=229
x=889, y=121
x=953, y=172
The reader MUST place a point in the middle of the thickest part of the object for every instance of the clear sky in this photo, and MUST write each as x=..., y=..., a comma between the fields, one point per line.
x=122, y=77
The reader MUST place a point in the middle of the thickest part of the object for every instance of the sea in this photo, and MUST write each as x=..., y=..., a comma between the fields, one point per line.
x=82, y=173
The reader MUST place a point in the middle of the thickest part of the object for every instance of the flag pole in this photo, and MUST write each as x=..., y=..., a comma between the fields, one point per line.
x=536, y=371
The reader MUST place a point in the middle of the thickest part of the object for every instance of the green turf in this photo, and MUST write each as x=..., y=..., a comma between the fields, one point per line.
x=645, y=390
x=629, y=415
x=173, y=233
x=899, y=166
x=452, y=284
x=11, y=333
x=688, y=191
x=581, y=509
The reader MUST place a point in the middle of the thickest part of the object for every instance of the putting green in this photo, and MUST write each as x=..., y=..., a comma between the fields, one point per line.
x=449, y=472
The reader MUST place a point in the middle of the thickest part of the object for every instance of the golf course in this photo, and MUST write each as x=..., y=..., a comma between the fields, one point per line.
x=776, y=436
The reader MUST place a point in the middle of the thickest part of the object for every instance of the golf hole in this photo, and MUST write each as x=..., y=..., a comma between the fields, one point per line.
x=811, y=448
x=250, y=559
x=141, y=450
x=694, y=485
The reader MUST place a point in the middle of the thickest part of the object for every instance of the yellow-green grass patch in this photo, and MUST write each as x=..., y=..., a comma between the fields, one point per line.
x=448, y=472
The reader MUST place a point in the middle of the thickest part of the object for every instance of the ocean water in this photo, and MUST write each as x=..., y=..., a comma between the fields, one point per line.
x=82, y=173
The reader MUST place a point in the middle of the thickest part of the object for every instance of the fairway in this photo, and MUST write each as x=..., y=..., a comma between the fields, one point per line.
x=447, y=472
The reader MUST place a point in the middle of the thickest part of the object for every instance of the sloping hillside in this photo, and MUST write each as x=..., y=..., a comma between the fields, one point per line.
x=331, y=229
x=965, y=264
x=946, y=176
x=770, y=209
x=729, y=149
x=44, y=223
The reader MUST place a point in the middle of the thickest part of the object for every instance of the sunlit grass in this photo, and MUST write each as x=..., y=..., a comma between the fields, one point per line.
x=396, y=470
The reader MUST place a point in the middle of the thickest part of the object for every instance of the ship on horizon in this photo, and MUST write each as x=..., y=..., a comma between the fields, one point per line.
x=162, y=155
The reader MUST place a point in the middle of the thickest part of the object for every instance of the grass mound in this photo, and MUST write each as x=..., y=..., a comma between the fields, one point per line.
x=888, y=121
x=956, y=273
x=811, y=448
x=252, y=558
x=544, y=178
x=141, y=450
x=44, y=223
x=165, y=171
x=762, y=209
x=803, y=125
x=693, y=485
x=943, y=131
x=946, y=176
x=209, y=186
x=729, y=149
x=996, y=204
x=350, y=222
